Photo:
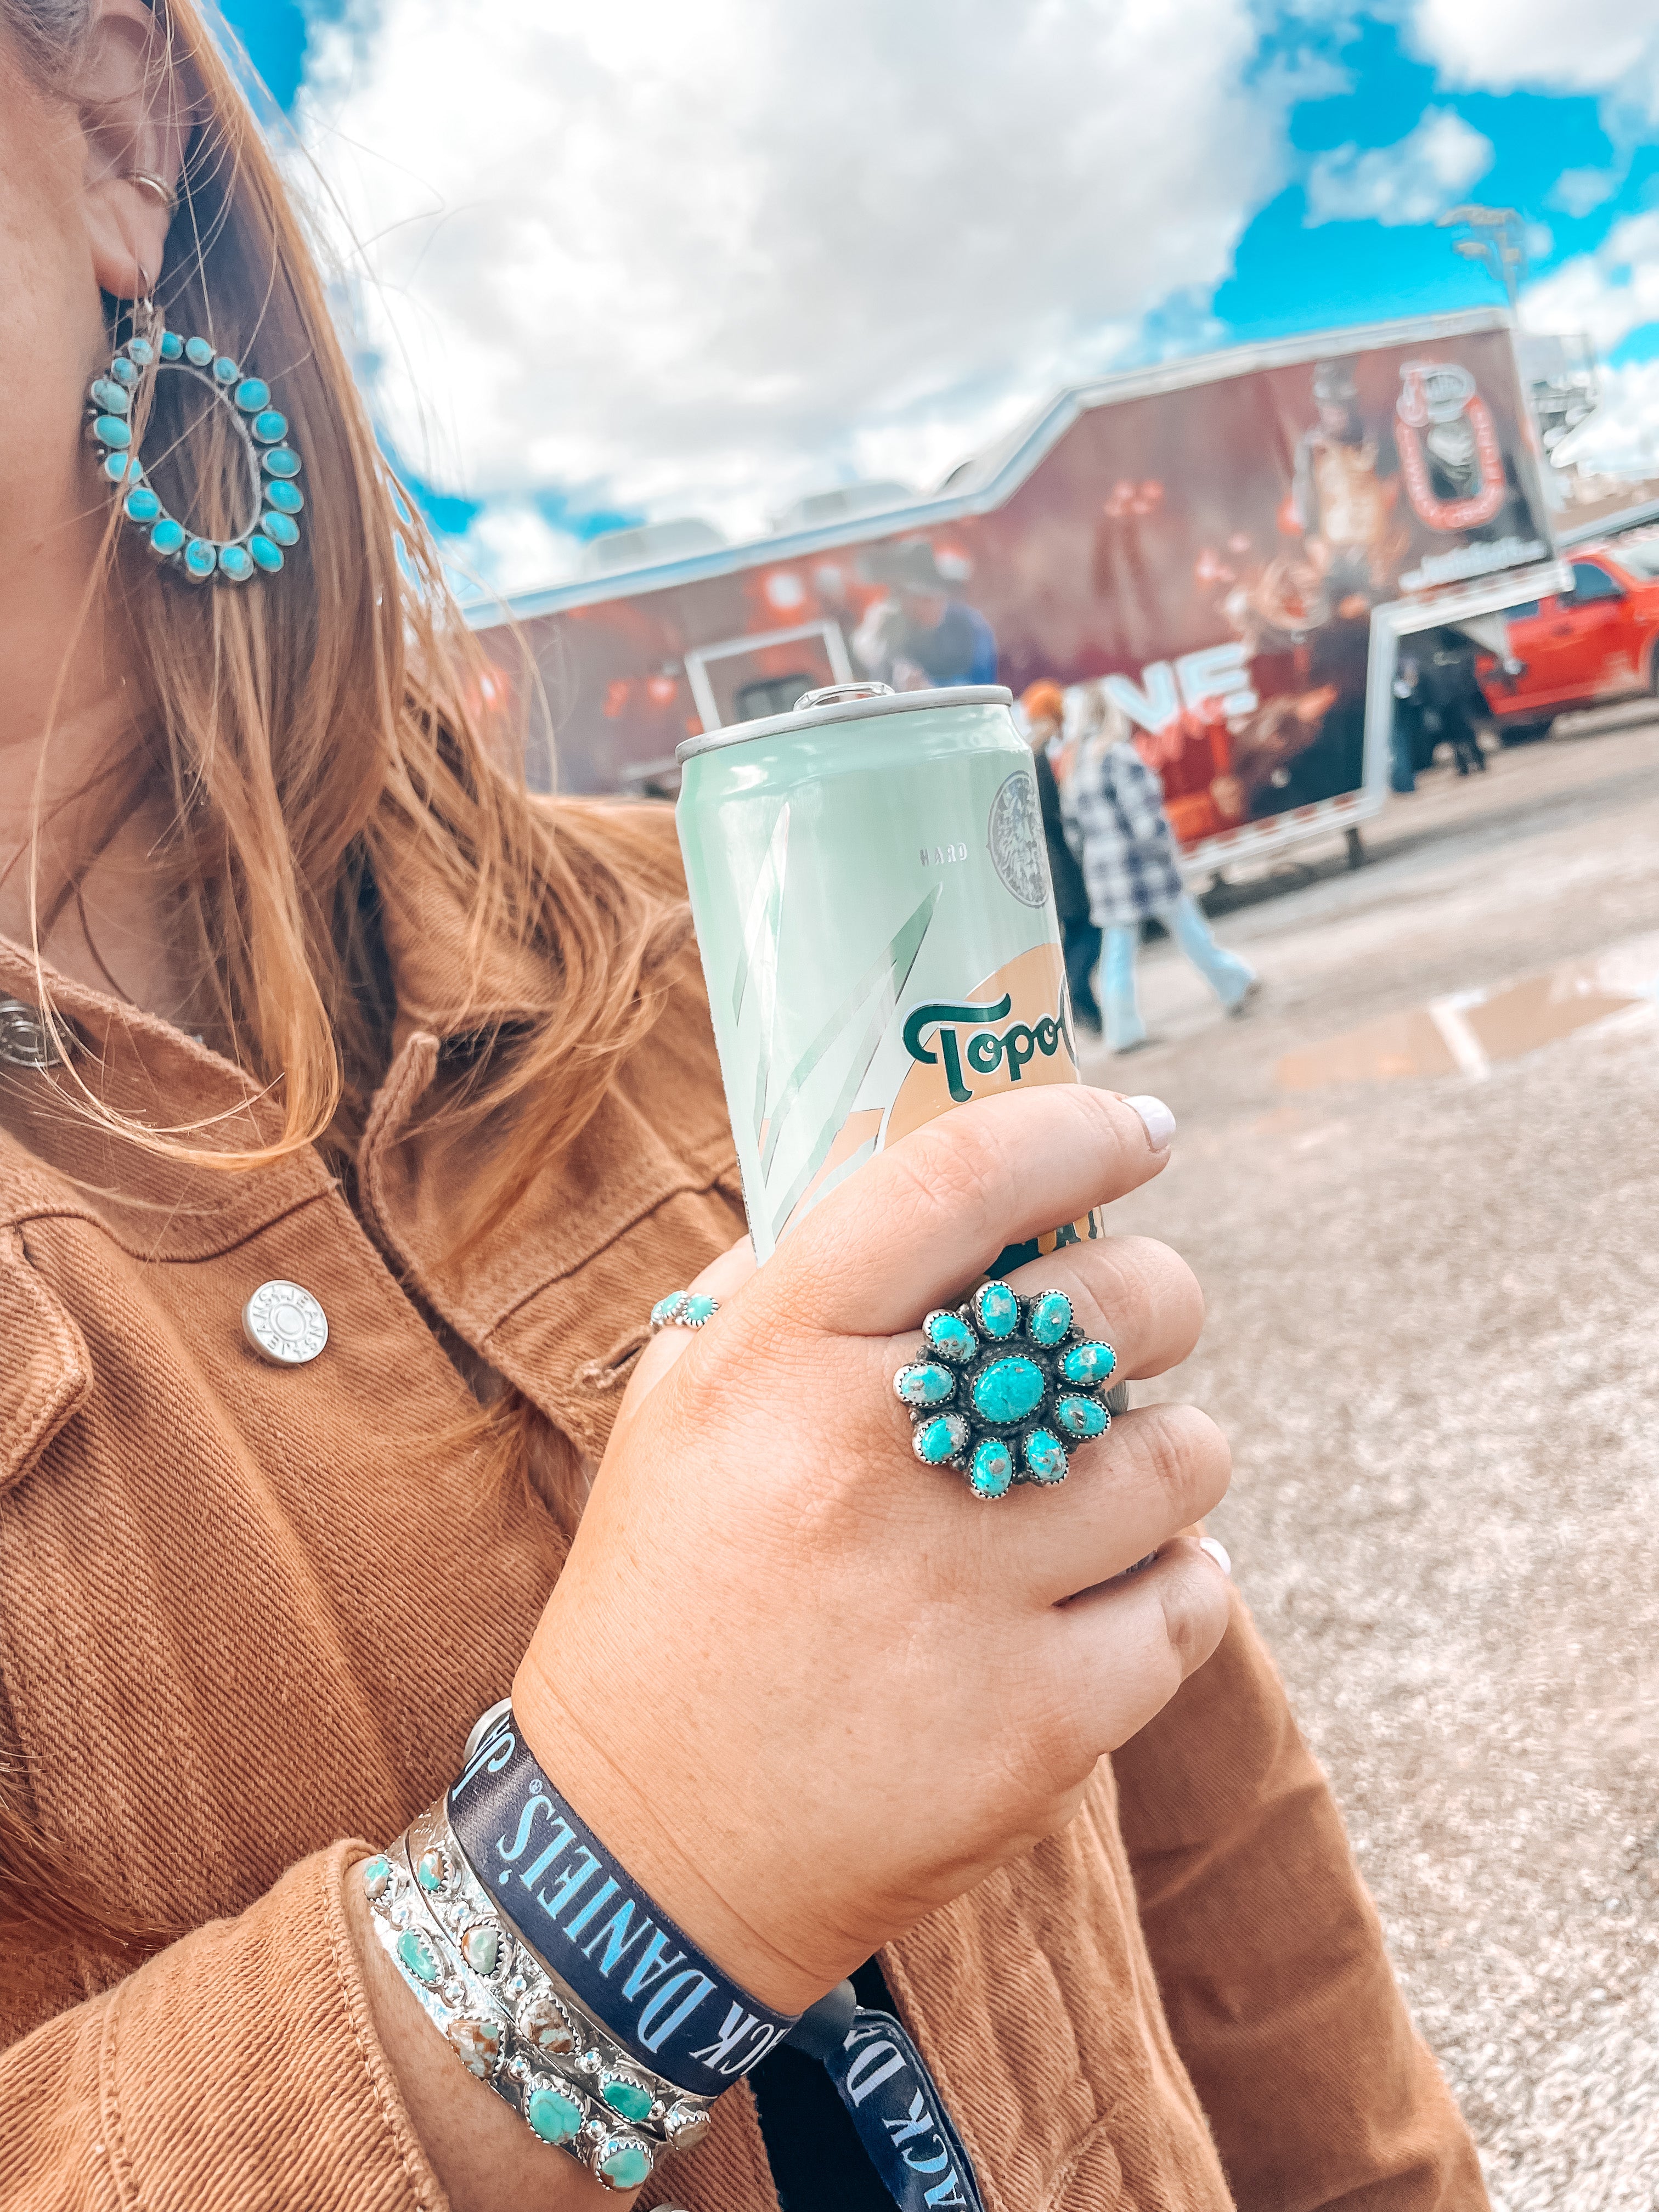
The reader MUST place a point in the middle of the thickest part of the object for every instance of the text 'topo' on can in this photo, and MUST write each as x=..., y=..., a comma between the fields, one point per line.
x=869, y=886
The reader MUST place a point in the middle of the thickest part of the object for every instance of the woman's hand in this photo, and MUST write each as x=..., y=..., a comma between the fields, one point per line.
x=809, y=1690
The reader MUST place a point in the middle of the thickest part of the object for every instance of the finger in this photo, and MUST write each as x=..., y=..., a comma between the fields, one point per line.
x=1119, y=1655
x=1154, y=1472
x=929, y=1215
x=721, y=1278
x=1136, y=1294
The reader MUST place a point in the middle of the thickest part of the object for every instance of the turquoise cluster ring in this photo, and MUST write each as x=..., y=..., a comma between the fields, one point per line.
x=684, y=1310
x=1006, y=1389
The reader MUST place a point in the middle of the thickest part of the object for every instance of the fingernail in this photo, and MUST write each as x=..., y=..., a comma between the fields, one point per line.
x=1218, y=1551
x=1160, y=1122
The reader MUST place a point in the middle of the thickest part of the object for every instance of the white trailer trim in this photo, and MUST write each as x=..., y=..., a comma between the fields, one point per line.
x=697, y=660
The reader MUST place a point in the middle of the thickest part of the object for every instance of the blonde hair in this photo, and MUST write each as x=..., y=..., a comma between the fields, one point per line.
x=316, y=733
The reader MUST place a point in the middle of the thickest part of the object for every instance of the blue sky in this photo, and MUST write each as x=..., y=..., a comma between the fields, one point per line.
x=553, y=324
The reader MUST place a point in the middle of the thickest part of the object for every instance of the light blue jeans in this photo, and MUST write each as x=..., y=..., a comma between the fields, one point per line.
x=1227, y=975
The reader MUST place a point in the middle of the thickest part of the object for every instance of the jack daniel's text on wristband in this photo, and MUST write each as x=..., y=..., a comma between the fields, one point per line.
x=869, y=884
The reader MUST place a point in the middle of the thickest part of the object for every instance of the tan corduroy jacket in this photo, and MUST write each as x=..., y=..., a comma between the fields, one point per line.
x=245, y=1613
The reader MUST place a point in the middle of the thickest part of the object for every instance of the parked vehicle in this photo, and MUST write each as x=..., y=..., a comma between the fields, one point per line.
x=1597, y=642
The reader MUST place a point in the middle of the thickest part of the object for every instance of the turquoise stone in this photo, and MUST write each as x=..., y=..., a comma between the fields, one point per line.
x=1088, y=1362
x=172, y=346
x=281, y=529
x=624, y=2165
x=699, y=1308
x=112, y=398
x=419, y=1957
x=287, y=499
x=111, y=430
x=167, y=536
x=122, y=468
x=431, y=1868
x=236, y=562
x=1045, y=1457
x=481, y=1946
x=226, y=370
x=124, y=372
x=252, y=395
x=141, y=350
x=283, y=461
x=265, y=554
x=1050, y=1318
x=142, y=504
x=1008, y=1389
x=949, y=1335
x=555, y=2117
x=941, y=1439
x=201, y=558
x=666, y=1309
x=270, y=426
x=1083, y=1417
x=199, y=351
x=990, y=1469
x=377, y=1877
x=928, y=1384
x=996, y=1310
x=632, y=2100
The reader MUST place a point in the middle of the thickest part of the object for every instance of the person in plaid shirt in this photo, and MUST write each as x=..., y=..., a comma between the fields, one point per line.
x=1112, y=807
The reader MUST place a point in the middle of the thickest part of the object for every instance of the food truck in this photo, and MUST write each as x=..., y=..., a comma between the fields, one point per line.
x=1230, y=546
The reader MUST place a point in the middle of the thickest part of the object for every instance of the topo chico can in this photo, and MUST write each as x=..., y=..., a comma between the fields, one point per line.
x=870, y=885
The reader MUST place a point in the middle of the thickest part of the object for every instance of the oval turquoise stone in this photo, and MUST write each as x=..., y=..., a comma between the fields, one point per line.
x=111, y=430
x=377, y=1876
x=280, y=528
x=167, y=535
x=286, y=498
x=280, y=461
x=626, y=2164
x=939, y=1440
x=430, y=1871
x=1083, y=1417
x=199, y=351
x=418, y=1955
x=555, y=2117
x=200, y=558
x=990, y=1469
x=142, y=505
x=172, y=346
x=252, y=394
x=699, y=1307
x=1045, y=1457
x=269, y=558
x=1092, y=1362
x=996, y=1309
x=268, y=427
x=666, y=1309
x=226, y=370
x=1049, y=1319
x=926, y=1384
x=1008, y=1389
x=122, y=468
x=141, y=350
x=236, y=562
x=124, y=372
x=481, y=1946
x=113, y=399
x=631, y=2099
x=949, y=1335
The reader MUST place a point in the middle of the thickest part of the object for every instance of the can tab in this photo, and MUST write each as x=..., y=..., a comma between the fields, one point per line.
x=834, y=695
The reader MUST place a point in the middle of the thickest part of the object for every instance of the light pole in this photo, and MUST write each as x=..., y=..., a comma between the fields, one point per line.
x=1498, y=239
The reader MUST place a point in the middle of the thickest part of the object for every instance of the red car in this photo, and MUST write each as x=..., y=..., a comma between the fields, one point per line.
x=1596, y=642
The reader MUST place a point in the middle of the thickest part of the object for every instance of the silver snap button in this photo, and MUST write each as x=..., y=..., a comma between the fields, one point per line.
x=284, y=1324
x=25, y=1040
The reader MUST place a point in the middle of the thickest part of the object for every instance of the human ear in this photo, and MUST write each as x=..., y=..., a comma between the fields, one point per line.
x=134, y=117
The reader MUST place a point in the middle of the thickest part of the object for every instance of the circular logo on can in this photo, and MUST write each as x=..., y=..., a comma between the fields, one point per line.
x=1016, y=839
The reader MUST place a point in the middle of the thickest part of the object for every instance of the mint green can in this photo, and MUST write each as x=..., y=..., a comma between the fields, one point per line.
x=870, y=885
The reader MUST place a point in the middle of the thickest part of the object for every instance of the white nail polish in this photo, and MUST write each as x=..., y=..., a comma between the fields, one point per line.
x=1159, y=1120
x=1218, y=1551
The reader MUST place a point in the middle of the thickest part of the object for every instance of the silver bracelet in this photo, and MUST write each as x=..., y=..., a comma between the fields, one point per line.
x=512, y=2023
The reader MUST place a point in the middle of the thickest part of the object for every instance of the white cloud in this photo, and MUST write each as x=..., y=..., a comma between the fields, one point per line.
x=1588, y=46
x=1609, y=293
x=1580, y=192
x=664, y=257
x=510, y=546
x=1411, y=181
x=1622, y=436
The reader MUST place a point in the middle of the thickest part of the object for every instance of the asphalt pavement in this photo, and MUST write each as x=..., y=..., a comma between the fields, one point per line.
x=1420, y=1184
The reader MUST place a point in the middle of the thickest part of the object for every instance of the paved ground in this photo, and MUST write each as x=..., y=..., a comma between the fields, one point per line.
x=1434, y=1339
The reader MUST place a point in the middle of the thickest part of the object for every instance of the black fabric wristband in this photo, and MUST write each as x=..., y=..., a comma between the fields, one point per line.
x=591, y=1925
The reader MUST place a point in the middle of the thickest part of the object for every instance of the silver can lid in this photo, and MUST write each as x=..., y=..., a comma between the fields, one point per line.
x=844, y=702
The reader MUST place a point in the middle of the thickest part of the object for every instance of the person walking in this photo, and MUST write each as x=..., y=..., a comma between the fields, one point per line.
x=1113, y=809
x=1454, y=699
x=1043, y=705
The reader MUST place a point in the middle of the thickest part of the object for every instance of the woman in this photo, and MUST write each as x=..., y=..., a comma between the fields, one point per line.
x=1044, y=707
x=353, y=1111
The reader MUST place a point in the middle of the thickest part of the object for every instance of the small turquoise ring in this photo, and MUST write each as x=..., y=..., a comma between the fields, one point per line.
x=1006, y=1389
x=682, y=1309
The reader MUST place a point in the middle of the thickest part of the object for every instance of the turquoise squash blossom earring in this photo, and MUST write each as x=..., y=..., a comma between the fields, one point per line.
x=276, y=501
